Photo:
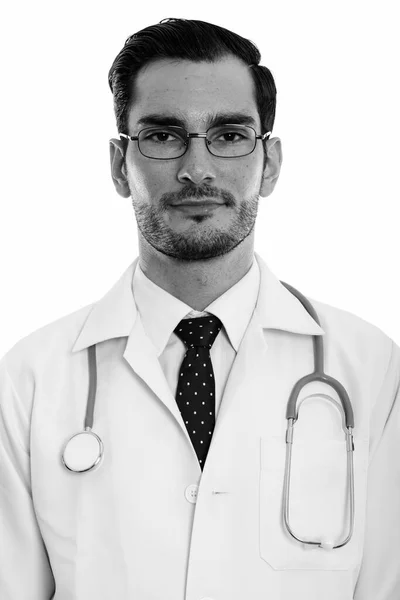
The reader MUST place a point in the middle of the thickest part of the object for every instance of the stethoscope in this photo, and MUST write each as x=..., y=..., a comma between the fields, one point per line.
x=84, y=451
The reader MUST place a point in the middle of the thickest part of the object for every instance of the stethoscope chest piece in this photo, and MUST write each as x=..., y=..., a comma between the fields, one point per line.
x=83, y=452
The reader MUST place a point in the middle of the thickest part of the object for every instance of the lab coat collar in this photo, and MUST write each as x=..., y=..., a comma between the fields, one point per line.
x=277, y=308
x=115, y=314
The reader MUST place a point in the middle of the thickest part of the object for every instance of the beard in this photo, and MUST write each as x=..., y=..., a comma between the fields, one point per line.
x=196, y=243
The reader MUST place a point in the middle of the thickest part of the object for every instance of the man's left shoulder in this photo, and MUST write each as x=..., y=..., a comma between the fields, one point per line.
x=349, y=333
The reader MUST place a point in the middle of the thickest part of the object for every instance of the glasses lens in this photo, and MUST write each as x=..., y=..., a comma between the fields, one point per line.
x=162, y=142
x=231, y=140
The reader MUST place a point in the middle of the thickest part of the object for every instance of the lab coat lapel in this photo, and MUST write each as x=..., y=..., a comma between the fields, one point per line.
x=246, y=379
x=115, y=315
x=141, y=355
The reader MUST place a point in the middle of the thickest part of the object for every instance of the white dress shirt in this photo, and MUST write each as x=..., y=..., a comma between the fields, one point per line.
x=161, y=312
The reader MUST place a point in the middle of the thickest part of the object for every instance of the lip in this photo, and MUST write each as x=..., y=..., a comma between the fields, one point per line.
x=198, y=207
x=197, y=203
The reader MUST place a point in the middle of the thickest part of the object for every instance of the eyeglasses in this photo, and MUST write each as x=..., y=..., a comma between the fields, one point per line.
x=225, y=141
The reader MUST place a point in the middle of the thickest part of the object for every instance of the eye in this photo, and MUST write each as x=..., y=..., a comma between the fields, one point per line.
x=160, y=136
x=231, y=136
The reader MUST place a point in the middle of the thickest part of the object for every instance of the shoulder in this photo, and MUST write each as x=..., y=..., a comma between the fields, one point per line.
x=351, y=336
x=44, y=344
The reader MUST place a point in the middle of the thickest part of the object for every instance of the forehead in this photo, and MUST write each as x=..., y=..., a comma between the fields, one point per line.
x=194, y=91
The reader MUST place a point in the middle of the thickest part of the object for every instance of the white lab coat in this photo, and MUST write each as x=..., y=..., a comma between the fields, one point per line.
x=133, y=528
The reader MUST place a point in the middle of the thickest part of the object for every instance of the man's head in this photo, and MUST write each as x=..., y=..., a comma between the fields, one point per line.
x=194, y=75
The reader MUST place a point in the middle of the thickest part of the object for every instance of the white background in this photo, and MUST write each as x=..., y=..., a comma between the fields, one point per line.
x=331, y=228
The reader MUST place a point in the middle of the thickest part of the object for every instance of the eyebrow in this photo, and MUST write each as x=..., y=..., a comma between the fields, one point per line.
x=239, y=118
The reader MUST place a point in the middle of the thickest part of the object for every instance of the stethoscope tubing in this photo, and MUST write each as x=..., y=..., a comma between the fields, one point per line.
x=92, y=387
x=318, y=373
x=292, y=416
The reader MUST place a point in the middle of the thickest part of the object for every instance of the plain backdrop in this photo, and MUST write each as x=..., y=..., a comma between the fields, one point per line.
x=331, y=228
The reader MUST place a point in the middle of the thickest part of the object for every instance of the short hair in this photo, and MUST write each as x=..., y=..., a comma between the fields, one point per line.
x=184, y=39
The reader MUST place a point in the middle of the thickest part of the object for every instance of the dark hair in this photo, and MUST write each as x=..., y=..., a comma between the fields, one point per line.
x=187, y=40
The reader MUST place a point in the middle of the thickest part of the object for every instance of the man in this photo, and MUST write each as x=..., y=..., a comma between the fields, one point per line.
x=198, y=347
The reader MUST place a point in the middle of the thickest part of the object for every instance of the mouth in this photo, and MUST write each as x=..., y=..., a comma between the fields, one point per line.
x=197, y=203
x=198, y=206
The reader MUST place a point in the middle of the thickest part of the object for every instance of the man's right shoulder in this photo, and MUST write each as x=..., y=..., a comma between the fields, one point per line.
x=52, y=338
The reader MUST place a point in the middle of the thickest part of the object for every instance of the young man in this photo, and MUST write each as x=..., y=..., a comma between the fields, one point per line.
x=180, y=491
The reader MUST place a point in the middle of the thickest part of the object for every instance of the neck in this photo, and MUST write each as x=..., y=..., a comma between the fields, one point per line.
x=196, y=283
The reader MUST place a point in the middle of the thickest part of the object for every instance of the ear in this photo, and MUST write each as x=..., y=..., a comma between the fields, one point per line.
x=118, y=172
x=273, y=166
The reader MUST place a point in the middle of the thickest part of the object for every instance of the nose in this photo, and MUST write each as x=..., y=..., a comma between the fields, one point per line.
x=197, y=164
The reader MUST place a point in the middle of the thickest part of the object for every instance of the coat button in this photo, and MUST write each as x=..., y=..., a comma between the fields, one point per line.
x=191, y=496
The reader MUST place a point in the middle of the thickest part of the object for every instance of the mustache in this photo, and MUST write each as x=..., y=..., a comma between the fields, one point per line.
x=205, y=191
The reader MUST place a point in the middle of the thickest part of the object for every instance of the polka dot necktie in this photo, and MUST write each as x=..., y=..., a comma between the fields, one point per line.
x=195, y=392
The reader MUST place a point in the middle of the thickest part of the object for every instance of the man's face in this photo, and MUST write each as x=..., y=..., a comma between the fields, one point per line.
x=194, y=94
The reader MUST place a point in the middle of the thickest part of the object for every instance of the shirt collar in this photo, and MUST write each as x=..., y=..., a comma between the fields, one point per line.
x=161, y=312
x=115, y=314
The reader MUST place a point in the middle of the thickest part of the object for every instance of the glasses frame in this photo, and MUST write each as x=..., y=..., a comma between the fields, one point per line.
x=189, y=136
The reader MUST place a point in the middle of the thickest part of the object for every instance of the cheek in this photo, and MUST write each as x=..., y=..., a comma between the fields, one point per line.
x=246, y=179
x=147, y=179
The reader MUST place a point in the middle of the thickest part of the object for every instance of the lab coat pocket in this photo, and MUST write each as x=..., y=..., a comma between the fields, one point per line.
x=318, y=503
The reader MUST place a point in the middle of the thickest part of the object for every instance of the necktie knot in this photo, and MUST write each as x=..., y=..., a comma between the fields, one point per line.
x=200, y=331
